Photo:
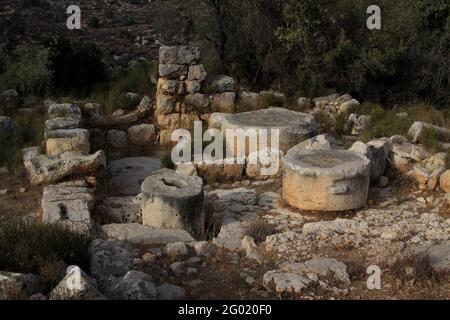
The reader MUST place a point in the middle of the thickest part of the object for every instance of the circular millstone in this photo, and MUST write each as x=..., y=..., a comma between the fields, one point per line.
x=325, y=180
x=294, y=127
x=173, y=201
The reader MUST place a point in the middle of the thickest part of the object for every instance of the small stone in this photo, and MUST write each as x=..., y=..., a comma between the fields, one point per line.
x=149, y=258
x=177, y=268
x=177, y=249
x=22, y=190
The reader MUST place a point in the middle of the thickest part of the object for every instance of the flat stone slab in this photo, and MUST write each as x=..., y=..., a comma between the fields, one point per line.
x=69, y=204
x=127, y=174
x=143, y=235
x=325, y=180
x=294, y=127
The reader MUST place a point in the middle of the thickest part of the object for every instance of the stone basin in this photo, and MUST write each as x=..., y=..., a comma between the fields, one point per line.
x=294, y=127
x=325, y=180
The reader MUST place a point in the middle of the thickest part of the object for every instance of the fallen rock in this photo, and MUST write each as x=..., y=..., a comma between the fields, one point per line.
x=176, y=249
x=286, y=282
x=377, y=151
x=109, y=260
x=142, y=136
x=76, y=285
x=418, y=128
x=143, y=235
x=223, y=102
x=120, y=209
x=74, y=140
x=46, y=170
x=30, y=153
x=444, y=181
x=187, y=170
x=304, y=103
x=135, y=285
x=250, y=248
x=323, y=267
x=220, y=83
x=320, y=142
x=438, y=256
x=428, y=172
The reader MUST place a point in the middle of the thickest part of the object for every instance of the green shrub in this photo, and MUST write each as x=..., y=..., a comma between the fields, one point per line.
x=30, y=73
x=26, y=134
x=29, y=247
x=136, y=79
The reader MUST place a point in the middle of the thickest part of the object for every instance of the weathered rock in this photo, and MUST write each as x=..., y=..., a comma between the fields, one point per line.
x=170, y=121
x=197, y=72
x=293, y=127
x=127, y=174
x=323, y=267
x=321, y=142
x=404, y=155
x=170, y=292
x=304, y=103
x=248, y=101
x=377, y=151
x=135, y=285
x=76, y=285
x=418, y=128
x=60, y=141
x=286, y=282
x=9, y=100
x=173, y=201
x=356, y=125
x=223, y=102
x=109, y=260
x=197, y=101
x=62, y=123
x=328, y=229
x=145, y=105
x=193, y=86
x=165, y=104
x=69, y=205
x=46, y=170
x=340, y=180
x=6, y=126
x=202, y=248
x=170, y=87
x=30, y=153
x=172, y=71
x=179, y=55
x=142, y=135
x=66, y=110
x=187, y=121
x=125, y=120
x=143, y=235
x=438, y=256
x=176, y=249
x=15, y=286
x=250, y=248
x=221, y=83
x=428, y=172
x=444, y=181
x=350, y=105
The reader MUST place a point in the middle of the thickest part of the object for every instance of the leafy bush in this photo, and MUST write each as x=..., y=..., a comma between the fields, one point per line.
x=136, y=79
x=30, y=73
x=29, y=247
